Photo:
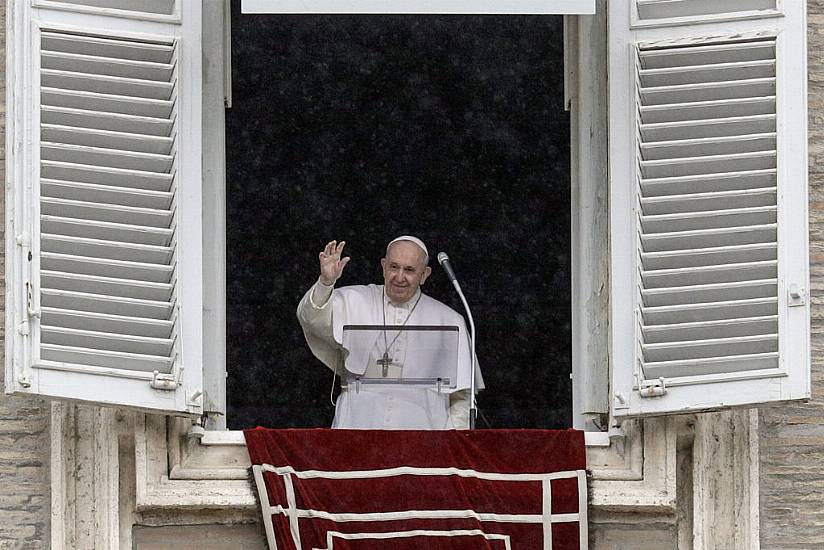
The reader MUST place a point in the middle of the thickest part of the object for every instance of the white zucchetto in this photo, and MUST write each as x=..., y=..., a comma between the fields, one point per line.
x=413, y=240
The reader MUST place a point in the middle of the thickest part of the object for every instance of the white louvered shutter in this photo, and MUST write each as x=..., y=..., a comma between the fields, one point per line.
x=708, y=191
x=105, y=204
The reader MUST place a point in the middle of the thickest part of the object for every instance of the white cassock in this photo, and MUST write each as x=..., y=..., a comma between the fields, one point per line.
x=323, y=312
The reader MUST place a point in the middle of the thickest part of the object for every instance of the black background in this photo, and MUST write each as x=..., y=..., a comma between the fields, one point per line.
x=362, y=128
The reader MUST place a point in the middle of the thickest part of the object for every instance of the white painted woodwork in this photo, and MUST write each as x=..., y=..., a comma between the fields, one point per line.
x=145, y=6
x=157, y=10
x=708, y=198
x=535, y=7
x=216, y=86
x=105, y=281
x=585, y=47
x=220, y=438
x=679, y=12
x=662, y=9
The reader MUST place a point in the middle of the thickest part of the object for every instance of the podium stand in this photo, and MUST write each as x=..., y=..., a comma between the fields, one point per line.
x=421, y=356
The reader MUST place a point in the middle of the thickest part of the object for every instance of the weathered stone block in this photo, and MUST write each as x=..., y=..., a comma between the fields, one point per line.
x=199, y=537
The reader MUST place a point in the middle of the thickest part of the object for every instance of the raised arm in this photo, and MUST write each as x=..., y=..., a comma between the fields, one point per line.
x=313, y=314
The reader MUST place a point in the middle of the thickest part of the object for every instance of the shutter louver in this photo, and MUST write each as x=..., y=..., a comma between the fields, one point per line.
x=651, y=11
x=107, y=202
x=708, y=209
x=164, y=7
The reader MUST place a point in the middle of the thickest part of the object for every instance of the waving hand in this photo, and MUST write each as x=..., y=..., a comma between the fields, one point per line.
x=331, y=264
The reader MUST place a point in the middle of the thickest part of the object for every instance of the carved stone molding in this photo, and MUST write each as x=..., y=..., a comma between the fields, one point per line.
x=84, y=477
x=642, y=478
x=199, y=485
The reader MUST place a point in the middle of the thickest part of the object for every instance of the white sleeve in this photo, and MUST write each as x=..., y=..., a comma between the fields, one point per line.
x=316, y=321
x=313, y=317
x=320, y=294
x=459, y=409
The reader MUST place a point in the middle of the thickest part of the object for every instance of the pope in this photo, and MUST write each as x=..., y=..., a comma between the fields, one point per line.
x=324, y=310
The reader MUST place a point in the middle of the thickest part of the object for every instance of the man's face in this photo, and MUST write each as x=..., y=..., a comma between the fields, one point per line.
x=404, y=271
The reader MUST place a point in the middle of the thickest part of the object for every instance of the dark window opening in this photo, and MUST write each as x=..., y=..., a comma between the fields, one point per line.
x=363, y=128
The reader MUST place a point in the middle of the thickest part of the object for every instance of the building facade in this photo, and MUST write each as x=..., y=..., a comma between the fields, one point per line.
x=80, y=475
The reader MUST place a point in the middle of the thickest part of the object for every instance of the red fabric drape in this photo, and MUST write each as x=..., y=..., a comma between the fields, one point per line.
x=364, y=489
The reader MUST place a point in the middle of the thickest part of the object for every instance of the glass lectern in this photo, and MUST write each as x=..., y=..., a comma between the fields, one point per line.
x=424, y=356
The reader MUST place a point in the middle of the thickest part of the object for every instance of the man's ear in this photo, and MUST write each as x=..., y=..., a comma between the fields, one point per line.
x=383, y=264
x=427, y=271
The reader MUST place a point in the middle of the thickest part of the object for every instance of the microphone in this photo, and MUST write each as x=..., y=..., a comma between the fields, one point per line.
x=443, y=259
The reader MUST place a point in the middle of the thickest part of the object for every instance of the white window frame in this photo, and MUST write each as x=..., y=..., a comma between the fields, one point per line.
x=216, y=96
x=585, y=93
x=440, y=7
x=590, y=401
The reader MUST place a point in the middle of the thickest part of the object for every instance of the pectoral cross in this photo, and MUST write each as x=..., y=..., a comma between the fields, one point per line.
x=384, y=362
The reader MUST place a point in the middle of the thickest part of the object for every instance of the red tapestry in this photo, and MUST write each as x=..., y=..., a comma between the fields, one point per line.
x=365, y=489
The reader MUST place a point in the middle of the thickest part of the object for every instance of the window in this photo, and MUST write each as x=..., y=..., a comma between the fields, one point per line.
x=366, y=127
x=707, y=206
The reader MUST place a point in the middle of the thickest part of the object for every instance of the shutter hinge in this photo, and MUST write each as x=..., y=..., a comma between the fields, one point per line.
x=193, y=399
x=165, y=381
x=653, y=388
x=796, y=296
x=30, y=309
x=619, y=402
x=617, y=438
x=24, y=381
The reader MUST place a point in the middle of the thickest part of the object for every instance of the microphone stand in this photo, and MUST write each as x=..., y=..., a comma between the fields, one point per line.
x=443, y=259
x=473, y=409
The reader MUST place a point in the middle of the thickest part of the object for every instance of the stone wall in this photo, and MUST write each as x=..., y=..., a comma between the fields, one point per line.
x=199, y=537
x=24, y=425
x=792, y=437
x=635, y=533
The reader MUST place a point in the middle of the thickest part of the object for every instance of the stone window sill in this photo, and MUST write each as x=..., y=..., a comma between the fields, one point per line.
x=628, y=473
